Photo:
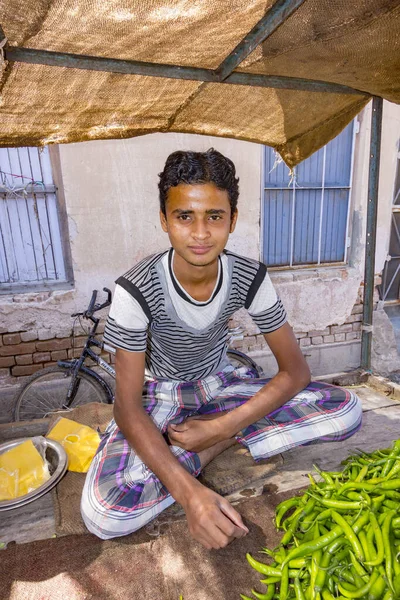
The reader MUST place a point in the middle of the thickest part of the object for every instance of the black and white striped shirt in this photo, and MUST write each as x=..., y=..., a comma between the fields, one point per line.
x=185, y=339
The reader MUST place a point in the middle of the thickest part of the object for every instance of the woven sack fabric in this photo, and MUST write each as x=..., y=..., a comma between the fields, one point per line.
x=351, y=43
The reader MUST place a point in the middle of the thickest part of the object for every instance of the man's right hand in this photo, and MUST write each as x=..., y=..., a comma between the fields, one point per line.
x=212, y=520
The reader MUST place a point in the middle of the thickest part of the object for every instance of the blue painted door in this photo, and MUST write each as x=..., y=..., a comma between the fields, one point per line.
x=305, y=214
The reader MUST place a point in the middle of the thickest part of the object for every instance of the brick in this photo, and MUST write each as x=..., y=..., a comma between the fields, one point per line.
x=255, y=347
x=59, y=355
x=52, y=363
x=358, y=319
x=357, y=309
x=24, y=348
x=300, y=335
x=24, y=359
x=318, y=332
x=329, y=339
x=316, y=340
x=29, y=336
x=346, y=328
x=10, y=339
x=7, y=361
x=50, y=345
x=79, y=342
x=74, y=352
x=350, y=319
x=351, y=336
x=46, y=334
x=340, y=337
x=40, y=357
x=305, y=342
x=357, y=326
x=64, y=333
x=237, y=344
x=21, y=370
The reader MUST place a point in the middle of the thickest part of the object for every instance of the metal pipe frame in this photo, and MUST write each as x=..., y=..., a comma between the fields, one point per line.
x=370, y=243
x=134, y=67
x=274, y=18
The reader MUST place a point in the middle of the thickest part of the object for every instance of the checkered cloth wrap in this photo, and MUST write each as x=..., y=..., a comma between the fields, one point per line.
x=122, y=495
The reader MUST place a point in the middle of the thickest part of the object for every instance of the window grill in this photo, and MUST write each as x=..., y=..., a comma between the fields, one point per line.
x=390, y=288
x=31, y=248
x=306, y=213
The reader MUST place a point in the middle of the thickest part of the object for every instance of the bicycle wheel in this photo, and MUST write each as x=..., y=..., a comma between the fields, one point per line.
x=46, y=392
x=238, y=359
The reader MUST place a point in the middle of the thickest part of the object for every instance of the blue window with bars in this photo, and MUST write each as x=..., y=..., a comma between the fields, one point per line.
x=306, y=213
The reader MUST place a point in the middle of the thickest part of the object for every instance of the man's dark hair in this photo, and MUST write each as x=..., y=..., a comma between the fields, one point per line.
x=199, y=167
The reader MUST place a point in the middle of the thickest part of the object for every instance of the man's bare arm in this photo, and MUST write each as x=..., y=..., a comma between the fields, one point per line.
x=211, y=518
x=292, y=377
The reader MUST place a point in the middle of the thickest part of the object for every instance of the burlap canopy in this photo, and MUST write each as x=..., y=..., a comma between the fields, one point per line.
x=352, y=43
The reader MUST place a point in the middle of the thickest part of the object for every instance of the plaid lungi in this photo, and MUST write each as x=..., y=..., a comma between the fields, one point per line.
x=122, y=495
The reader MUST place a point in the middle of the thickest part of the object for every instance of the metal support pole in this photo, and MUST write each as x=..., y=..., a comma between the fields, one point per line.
x=370, y=244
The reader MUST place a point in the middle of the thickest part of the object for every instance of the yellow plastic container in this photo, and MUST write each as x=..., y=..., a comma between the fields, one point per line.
x=22, y=470
x=79, y=442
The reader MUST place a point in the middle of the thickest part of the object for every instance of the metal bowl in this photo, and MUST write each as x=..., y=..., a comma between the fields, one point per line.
x=57, y=461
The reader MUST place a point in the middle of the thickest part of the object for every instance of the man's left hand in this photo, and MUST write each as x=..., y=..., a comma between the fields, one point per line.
x=196, y=434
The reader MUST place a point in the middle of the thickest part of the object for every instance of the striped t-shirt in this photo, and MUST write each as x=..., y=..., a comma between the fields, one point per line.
x=185, y=339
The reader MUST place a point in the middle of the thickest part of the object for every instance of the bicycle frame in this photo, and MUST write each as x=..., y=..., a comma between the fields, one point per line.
x=77, y=364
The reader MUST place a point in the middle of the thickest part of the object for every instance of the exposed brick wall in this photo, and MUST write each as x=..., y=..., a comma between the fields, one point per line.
x=25, y=352
x=347, y=332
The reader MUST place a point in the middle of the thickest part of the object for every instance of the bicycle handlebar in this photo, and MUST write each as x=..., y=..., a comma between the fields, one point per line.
x=93, y=307
x=90, y=310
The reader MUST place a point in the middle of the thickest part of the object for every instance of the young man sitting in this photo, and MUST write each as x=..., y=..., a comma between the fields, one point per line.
x=179, y=403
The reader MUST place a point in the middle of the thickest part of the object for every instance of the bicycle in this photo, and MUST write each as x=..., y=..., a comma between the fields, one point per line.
x=72, y=383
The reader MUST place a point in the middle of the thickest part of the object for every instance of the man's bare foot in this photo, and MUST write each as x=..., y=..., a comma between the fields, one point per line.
x=209, y=454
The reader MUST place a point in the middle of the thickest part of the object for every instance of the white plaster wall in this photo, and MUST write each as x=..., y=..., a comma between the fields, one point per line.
x=112, y=203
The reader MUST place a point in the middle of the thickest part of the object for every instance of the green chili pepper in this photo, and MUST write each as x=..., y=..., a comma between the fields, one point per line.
x=392, y=505
x=362, y=473
x=298, y=590
x=268, y=596
x=338, y=503
x=269, y=580
x=388, y=551
x=349, y=533
x=313, y=545
x=363, y=541
x=360, y=522
x=327, y=595
x=377, y=589
x=284, y=587
x=360, y=593
x=283, y=507
x=262, y=567
x=379, y=542
x=322, y=571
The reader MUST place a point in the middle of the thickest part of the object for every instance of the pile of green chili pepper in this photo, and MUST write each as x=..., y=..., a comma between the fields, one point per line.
x=342, y=536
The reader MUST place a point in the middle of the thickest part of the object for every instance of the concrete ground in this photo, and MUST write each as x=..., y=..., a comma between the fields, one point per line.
x=165, y=561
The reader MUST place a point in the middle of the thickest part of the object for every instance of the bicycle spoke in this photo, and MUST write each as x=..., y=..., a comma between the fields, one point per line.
x=48, y=392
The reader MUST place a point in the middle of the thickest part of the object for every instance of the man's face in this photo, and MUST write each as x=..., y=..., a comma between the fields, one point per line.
x=198, y=222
